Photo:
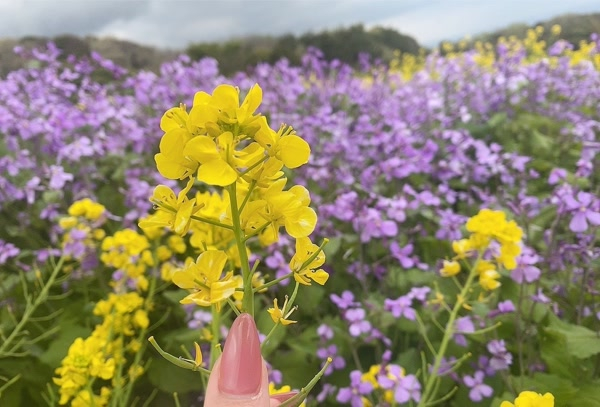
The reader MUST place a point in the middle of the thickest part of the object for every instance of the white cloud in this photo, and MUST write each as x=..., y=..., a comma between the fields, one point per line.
x=176, y=23
x=456, y=19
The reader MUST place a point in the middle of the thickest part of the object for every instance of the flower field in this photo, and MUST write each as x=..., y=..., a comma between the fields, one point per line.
x=419, y=234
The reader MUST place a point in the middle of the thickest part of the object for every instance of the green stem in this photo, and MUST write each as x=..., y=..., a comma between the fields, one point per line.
x=32, y=307
x=211, y=222
x=270, y=283
x=248, y=300
x=180, y=362
x=215, y=327
x=449, y=332
x=247, y=197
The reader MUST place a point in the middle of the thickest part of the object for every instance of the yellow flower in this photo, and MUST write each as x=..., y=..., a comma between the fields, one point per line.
x=172, y=212
x=277, y=315
x=488, y=279
x=284, y=144
x=462, y=248
x=371, y=376
x=171, y=161
x=87, y=208
x=508, y=254
x=218, y=158
x=283, y=208
x=203, y=278
x=531, y=399
x=68, y=222
x=450, y=268
x=304, y=271
x=212, y=114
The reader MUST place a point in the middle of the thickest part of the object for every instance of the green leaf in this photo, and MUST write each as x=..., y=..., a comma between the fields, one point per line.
x=581, y=342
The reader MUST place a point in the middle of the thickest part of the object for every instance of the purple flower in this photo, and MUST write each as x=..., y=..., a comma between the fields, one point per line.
x=419, y=293
x=405, y=388
x=325, y=332
x=357, y=389
x=370, y=225
x=501, y=358
x=525, y=270
x=7, y=251
x=401, y=307
x=358, y=325
x=58, y=177
x=479, y=390
x=345, y=301
x=200, y=319
x=403, y=254
x=582, y=211
x=463, y=325
x=504, y=307
x=557, y=175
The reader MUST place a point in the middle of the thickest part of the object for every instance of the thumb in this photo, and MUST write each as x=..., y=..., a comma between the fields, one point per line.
x=239, y=377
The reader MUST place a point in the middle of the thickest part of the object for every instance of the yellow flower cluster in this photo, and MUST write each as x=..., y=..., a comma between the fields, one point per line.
x=531, y=399
x=486, y=227
x=224, y=143
x=101, y=355
x=86, y=360
x=128, y=252
x=82, y=229
x=86, y=208
x=533, y=45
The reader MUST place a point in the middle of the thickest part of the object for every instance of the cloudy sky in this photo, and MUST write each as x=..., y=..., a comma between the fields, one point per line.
x=176, y=23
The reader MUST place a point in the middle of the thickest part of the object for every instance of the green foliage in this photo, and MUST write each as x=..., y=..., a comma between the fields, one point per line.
x=344, y=44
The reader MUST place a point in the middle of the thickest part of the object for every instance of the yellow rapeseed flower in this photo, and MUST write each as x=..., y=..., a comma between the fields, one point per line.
x=203, y=279
x=450, y=268
x=305, y=272
x=531, y=399
x=277, y=314
x=283, y=144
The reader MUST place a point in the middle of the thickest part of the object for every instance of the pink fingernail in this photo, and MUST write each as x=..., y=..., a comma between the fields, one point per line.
x=281, y=397
x=241, y=362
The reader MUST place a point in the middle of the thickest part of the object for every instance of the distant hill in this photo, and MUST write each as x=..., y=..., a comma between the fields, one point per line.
x=344, y=44
x=124, y=53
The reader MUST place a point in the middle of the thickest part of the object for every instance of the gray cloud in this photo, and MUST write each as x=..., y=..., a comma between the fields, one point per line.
x=176, y=23
x=43, y=17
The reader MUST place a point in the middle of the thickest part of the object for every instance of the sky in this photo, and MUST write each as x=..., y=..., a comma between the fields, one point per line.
x=174, y=24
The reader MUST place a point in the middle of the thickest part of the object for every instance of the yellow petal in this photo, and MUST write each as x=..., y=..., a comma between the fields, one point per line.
x=320, y=276
x=222, y=290
x=294, y=151
x=253, y=99
x=217, y=172
x=202, y=149
x=226, y=97
x=201, y=98
x=183, y=217
x=302, y=224
x=198, y=357
x=184, y=279
x=211, y=263
x=173, y=118
x=301, y=279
